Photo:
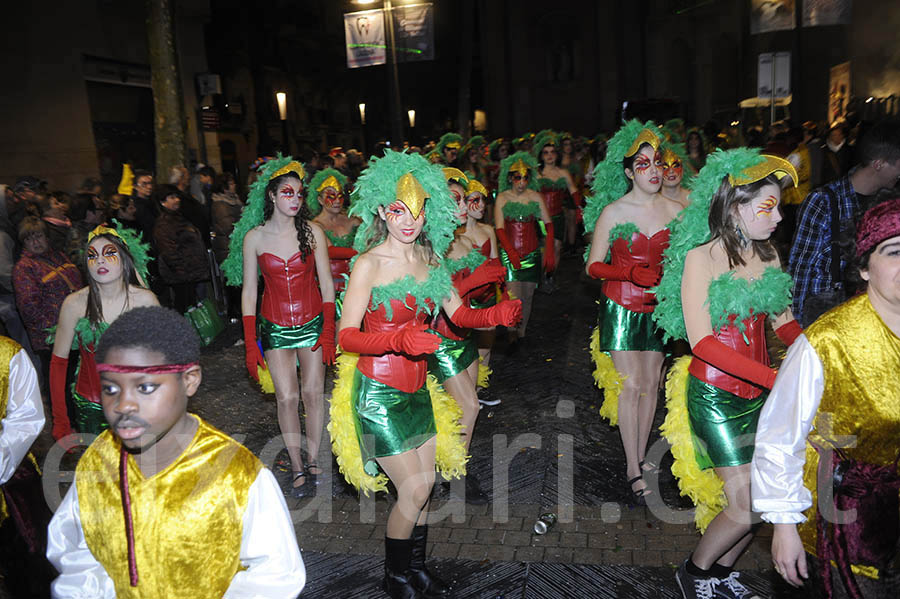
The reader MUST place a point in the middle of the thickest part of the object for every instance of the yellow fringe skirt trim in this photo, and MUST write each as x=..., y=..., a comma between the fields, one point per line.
x=703, y=487
x=451, y=452
x=607, y=379
x=265, y=379
x=484, y=373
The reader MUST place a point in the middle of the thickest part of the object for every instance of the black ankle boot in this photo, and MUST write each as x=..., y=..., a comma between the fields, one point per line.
x=397, y=575
x=426, y=582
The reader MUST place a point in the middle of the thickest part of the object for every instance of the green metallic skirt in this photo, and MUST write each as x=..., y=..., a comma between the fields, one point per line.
x=489, y=302
x=88, y=417
x=389, y=421
x=276, y=336
x=621, y=329
x=530, y=272
x=723, y=425
x=451, y=357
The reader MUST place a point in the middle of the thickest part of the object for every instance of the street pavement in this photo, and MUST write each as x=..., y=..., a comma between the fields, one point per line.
x=542, y=449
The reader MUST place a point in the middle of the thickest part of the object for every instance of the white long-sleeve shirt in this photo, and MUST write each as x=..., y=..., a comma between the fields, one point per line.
x=24, y=415
x=269, y=551
x=776, y=477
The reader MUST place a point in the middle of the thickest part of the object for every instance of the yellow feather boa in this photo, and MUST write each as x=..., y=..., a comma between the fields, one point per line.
x=703, y=487
x=265, y=379
x=484, y=374
x=451, y=452
x=607, y=379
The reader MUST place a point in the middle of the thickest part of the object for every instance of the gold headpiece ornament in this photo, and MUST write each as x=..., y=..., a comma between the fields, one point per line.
x=412, y=194
x=780, y=167
x=476, y=187
x=291, y=167
x=669, y=156
x=101, y=230
x=520, y=167
x=453, y=144
x=646, y=136
x=331, y=181
x=455, y=175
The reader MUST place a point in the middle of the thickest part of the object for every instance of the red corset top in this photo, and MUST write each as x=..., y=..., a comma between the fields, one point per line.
x=755, y=334
x=644, y=250
x=397, y=370
x=442, y=323
x=553, y=199
x=292, y=295
x=522, y=235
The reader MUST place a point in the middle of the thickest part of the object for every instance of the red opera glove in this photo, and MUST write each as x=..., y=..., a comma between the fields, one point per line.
x=639, y=274
x=61, y=425
x=339, y=253
x=505, y=314
x=578, y=199
x=514, y=258
x=412, y=340
x=326, y=337
x=645, y=276
x=714, y=352
x=788, y=332
x=490, y=271
x=549, y=248
x=252, y=356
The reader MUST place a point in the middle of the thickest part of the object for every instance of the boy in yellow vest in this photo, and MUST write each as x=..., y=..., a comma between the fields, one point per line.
x=164, y=505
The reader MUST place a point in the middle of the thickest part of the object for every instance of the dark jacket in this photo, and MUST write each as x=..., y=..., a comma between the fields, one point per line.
x=179, y=245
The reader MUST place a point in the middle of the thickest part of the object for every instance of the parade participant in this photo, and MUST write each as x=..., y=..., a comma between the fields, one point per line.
x=116, y=263
x=629, y=220
x=839, y=378
x=570, y=161
x=448, y=147
x=518, y=210
x=276, y=238
x=381, y=414
x=163, y=504
x=696, y=149
x=484, y=239
x=326, y=201
x=498, y=151
x=722, y=280
x=455, y=362
x=23, y=512
x=556, y=186
x=473, y=160
x=673, y=161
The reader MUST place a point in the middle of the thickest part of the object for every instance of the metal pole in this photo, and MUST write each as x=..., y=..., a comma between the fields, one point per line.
x=393, y=79
x=772, y=87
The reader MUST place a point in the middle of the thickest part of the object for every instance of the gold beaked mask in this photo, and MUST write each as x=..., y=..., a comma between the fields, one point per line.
x=291, y=167
x=412, y=194
x=101, y=230
x=455, y=145
x=454, y=175
x=520, y=167
x=476, y=187
x=646, y=136
x=669, y=158
x=331, y=181
x=772, y=164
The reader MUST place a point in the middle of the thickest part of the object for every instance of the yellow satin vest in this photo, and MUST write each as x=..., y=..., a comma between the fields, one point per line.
x=860, y=357
x=187, y=518
x=8, y=350
x=796, y=195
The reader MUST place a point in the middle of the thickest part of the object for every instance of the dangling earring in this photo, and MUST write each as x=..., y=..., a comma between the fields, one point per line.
x=741, y=237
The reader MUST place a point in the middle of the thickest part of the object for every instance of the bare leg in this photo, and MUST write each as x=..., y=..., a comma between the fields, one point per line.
x=652, y=368
x=729, y=532
x=485, y=338
x=629, y=364
x=462, y=389
x=412, y=473
x=524, y=291
x=312, y=380
x=283, y=366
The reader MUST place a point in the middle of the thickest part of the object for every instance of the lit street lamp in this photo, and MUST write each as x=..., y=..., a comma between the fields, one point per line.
x=281, y=98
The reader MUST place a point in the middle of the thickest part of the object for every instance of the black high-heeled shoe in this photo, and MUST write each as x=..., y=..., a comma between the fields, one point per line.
x=313, y=477
x=304, y=489
x=638, y=496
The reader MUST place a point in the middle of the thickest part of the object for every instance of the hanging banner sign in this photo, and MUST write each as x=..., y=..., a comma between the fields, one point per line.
x=826, y=12
x=364, y=34
x=771, y=15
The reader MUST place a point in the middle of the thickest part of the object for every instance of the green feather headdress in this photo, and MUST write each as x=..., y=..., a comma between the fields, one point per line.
x=544, y=138
x=448, y=138
x=530, y=162
x=137, y=247
x=693, y=230
x=610, y=182
x=476, y=141
x=670, y=143
x=377, y=186
x=251, y=216
x=494, y=146
x=312, y=194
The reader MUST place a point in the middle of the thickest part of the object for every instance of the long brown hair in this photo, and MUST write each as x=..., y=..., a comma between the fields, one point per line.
x=94, y=310
x=723, y=220
x=301, y=220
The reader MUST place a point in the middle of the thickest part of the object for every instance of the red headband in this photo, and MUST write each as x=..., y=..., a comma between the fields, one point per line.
x=161, y=369
x=878, y=223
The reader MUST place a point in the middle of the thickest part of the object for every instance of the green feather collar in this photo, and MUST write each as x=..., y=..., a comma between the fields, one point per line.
x=342, y=241
x=520, y=211
x=428, y=294
x=472, y=260
x=733, y=296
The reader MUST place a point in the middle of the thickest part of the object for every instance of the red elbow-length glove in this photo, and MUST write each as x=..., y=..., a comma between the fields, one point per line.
x=412, y=340
x=60, y=414
x=641, y=275
x=505, y=314
x=788, y=332
x=489, y=271
x=326, y=337
x=578, y=199
x=714, y=352
x=340, y=253
x=549, y=248
x=514, y=258
x=252, y=356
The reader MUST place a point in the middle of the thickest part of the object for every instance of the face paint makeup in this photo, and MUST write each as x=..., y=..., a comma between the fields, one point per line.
x=767, y=206
x=110, y=253
x=641, y=163
x=394, y=211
